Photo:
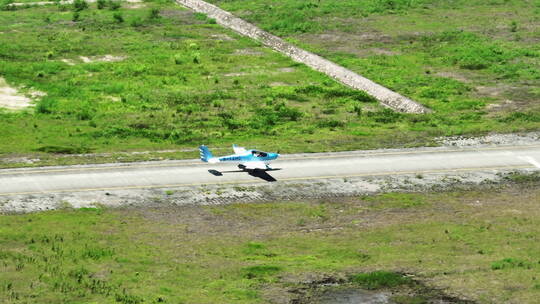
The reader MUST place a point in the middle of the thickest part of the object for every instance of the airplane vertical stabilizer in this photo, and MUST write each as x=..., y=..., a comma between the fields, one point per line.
x=206, y=155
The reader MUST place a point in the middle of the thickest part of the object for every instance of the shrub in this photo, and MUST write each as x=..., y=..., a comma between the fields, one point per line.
x=101, y=4
x=200, y=16
x=63, y=149
x=79, y=5
x=385, y=116
x=85, y=113
x=46, y=106
x=513, y=26
x=260, y=271
x=76, y=17
x=114, y=5
x=178, y=59
x=309, y=89
x=197, y=59
x=358, y=110
x=330, y=123
x=136, y=22
x=380, y=279
x=126, y=298
x=522, y=116
x=154, y=14
x=5, y=5
x=118, y=18
x=510, y=263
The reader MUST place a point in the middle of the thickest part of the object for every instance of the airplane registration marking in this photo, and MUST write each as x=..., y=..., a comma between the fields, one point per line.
x=260, y=181
x=367, y=154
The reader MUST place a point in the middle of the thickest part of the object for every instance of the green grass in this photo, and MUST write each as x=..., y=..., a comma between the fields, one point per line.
x=379, y=279
x=480, y=244
x=436, y=52
x=184, y=80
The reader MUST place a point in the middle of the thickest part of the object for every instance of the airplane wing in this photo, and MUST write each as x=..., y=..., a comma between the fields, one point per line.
x=238, y=150
x=255, y=165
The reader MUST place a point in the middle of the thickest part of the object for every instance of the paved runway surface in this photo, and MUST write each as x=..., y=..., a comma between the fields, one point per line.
x=291, y=167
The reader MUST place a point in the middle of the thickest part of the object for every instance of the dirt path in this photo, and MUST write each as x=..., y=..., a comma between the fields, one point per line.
x=385, y=96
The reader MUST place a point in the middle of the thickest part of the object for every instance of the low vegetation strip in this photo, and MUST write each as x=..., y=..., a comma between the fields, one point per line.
x=478, y=245
x=385, y=96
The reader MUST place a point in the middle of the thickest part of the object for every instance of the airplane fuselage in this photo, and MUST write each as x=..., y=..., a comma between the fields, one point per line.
x=247, y=159
x=249, y=156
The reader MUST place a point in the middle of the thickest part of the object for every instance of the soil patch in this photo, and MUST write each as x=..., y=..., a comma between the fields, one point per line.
x=10, y=98
x=251, y=52
x=184, y=16
x=453, y=75
x=104, y=58
x=85, y=59
x=222, y=37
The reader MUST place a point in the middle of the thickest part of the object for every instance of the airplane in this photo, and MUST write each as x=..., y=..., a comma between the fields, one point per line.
x=248, y=159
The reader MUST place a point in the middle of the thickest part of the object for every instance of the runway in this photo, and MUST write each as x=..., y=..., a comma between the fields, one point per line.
x=309, y=166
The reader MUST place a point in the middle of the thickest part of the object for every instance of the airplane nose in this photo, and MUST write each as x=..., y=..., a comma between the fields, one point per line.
x=276, y=155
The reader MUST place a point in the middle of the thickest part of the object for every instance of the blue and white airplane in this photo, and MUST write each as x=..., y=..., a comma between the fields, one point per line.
x=247, y=159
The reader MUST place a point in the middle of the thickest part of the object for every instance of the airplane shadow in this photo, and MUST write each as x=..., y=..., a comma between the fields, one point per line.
x=262, y=174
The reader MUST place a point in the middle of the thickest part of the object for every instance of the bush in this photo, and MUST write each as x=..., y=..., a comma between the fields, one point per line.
x=510, y=263
x=46, y=106
x=385, y=116
x=330, y=123
x=521, y=116
x=197, y=60
x=200, y=16
x=118, y=18
x=114, y=5
x=5, y=5
x=513, y=26
x=85, y=113
x=76, y=17
x=136, y=22
x=63, y=149
x=79, y=5
x=380, y=279
x=358, y=110
x=101, y=4
x=154, y=14
x=260, y=271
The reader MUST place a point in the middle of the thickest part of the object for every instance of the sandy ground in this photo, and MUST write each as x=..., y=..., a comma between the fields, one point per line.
x=11, y=99
x=86, y=59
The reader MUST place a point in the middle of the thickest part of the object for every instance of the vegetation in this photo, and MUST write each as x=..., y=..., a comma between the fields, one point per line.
x=176, y=79
x=379, y=279
x=450, y=56
x=479, y=244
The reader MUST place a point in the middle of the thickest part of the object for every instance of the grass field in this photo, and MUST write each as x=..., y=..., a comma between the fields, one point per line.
x=481, y=56
x=481, y=245
x=154, y=76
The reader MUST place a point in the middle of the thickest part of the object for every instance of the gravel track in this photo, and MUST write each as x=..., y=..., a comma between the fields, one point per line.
x=385, y=96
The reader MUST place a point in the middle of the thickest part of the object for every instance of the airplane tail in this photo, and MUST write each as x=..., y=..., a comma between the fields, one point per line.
x=206, y=155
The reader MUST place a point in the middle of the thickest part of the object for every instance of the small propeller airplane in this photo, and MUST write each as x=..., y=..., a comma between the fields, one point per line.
x=247, y=159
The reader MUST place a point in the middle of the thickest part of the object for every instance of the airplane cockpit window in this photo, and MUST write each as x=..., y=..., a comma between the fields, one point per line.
x=259, y=153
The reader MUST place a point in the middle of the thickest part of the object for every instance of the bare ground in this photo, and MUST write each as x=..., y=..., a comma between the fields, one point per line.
x=11, y=98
